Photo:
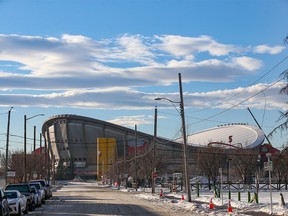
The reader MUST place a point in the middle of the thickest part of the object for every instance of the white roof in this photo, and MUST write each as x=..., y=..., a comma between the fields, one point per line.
x=238, y=135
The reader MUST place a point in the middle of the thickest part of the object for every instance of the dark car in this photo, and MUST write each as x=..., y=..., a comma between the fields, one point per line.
x=25, y=189
x=4, y=204
x=47, y=187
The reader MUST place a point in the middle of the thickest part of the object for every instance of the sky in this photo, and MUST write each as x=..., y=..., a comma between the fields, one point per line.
x=110, y=59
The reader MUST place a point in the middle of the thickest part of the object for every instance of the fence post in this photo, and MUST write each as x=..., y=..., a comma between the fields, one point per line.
x=197, y=188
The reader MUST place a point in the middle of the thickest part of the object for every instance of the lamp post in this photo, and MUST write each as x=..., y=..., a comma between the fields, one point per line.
x=7, y=145
x=25, y=143
x=185, y=161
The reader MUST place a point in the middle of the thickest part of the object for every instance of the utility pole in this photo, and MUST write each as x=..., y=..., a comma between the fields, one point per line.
x=154, y=151
x=187, y=182
x=258, y=125
x=7, y=146
x=34, y=148
x=25, y=150
x=136, y=183
x=25, y=143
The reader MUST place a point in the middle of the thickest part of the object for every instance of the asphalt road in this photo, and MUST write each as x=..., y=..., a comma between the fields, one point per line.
x=88, y=200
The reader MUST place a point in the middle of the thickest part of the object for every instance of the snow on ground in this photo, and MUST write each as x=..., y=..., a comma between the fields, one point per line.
x=201, y=204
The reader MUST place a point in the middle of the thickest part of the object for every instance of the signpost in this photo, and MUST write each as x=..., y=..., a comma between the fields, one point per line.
x=220, y=171
x=270, y=168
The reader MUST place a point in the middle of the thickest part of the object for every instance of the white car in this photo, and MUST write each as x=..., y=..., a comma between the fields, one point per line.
x=17, y=202
x=40, y=190
x=37, y=196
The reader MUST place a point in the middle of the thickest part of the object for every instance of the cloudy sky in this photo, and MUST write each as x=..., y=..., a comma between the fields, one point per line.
x=110, y=59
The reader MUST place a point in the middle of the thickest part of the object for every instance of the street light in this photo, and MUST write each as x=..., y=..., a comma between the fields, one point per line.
x=25, y=144
x=7, y=145
x=181, y=103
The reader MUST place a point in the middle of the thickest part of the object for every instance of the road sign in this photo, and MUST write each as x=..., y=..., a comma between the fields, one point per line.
x=268, y=166
x=11, y=173
x=154, y=174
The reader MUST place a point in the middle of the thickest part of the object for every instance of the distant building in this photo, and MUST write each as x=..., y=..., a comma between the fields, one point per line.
x=77, y=137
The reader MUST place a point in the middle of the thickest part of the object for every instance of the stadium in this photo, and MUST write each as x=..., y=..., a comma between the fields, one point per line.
x=94, y=145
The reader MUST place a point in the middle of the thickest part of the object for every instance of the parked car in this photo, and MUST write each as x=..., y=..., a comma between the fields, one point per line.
x=37, y=196
x=40, y=189
x=17, y=202
x=47, y=187
x=4, y=204
x=25, y=189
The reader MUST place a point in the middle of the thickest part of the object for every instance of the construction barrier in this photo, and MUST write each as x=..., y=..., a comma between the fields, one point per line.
x=161, y=194
x=229, y=207
x=211, y=205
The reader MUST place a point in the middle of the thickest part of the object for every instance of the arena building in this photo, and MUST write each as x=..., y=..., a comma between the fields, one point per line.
x=94, y=144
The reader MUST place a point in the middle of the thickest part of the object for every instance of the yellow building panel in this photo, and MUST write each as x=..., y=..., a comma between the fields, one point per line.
x=106, y=155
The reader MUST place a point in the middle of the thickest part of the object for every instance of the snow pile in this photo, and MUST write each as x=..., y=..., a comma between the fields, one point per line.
x=201, y=204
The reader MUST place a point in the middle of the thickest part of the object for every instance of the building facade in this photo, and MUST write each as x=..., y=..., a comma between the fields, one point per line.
x=93, y=145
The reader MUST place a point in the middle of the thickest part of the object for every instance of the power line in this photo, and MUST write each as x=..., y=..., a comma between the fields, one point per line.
x=234, y=95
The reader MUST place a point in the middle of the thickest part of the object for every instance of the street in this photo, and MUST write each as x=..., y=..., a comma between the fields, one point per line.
x=83, y=199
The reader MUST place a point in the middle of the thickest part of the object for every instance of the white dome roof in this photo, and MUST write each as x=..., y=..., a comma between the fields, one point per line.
x=238, y=135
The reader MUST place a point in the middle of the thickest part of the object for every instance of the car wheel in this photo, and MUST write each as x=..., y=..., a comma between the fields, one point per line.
x=26, y=209
x=19, y=210
x=32, y=207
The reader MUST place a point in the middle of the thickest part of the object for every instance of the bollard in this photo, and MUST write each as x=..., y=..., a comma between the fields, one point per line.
x=239, y=196
x=256, y=197
x=197, y=189
x=249, y=197
x=282, y=200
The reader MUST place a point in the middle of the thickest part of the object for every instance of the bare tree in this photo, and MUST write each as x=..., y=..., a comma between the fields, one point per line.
x=280, y=168
x=283, y=114
x=209, y=161
x=245, y=163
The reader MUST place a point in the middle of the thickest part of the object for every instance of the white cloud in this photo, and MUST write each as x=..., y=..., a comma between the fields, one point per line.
x=183, y=46
x=75, y=70
x=133, y=120
x=248, y=63
x=129, y=99
x=269, y=49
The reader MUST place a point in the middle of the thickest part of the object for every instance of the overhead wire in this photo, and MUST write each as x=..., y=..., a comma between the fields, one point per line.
x=234, y=95
x=237, y=104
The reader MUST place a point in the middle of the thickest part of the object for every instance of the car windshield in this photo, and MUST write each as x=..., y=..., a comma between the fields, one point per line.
x=21, y=188
x=41, y=182
x=36, y=185
x=10, y=195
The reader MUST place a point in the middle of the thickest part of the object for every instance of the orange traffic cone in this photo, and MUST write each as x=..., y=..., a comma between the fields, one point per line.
x=161, y=193
x=211, y=205
x=182, y=198
x=229, y=207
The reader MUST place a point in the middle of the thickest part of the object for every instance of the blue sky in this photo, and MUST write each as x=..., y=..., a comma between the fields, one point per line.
x=109, y=59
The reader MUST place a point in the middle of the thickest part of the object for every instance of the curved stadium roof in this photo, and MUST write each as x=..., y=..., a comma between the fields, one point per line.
x=241, y=135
